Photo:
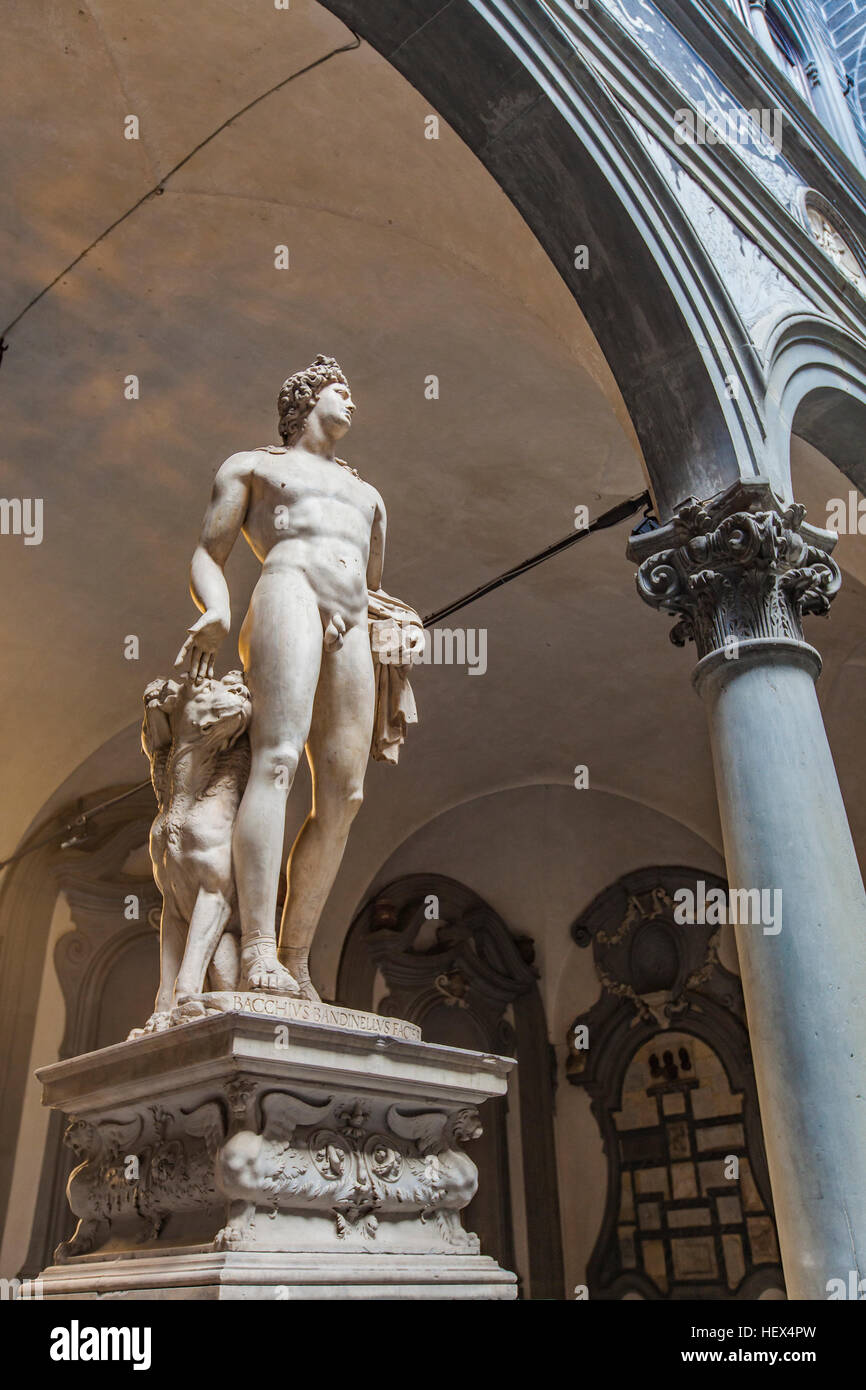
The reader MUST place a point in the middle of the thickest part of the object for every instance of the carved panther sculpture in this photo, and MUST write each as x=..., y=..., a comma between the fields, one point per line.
x=195, y=737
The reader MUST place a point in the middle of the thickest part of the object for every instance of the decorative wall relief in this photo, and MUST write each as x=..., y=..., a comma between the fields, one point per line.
x=367, y=1167
x=664, y=1055
x=762, y=293
x=703, y=90
x=835, y=238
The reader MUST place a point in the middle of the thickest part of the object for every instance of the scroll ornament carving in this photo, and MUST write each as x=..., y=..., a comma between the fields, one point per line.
x=272, y=1151
x=752, y=575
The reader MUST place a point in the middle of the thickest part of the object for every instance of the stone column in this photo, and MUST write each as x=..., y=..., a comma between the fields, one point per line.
x=739, y=572
x=760, y=27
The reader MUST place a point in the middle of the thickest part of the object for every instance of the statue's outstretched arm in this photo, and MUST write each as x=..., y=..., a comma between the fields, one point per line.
x=222, y=522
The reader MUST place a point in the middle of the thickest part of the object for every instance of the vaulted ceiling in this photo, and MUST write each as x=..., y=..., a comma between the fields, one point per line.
x=406, y=262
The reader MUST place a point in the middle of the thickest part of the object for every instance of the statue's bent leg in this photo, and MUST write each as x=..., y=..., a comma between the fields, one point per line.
x=281, y=647
x=172, y=935
x=338, y=749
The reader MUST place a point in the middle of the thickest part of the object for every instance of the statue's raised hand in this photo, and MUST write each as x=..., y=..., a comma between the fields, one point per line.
x=202, y=644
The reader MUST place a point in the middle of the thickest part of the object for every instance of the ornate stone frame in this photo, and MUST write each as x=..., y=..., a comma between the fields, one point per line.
x=704, y=999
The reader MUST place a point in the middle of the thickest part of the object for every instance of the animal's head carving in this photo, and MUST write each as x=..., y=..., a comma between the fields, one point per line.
x=213, y=712
x=465, y=1125
x=82, y=1138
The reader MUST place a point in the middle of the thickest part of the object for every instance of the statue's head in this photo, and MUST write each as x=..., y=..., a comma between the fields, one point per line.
x=321, y=389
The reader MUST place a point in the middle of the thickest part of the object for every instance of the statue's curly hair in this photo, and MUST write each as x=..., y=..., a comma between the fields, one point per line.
x=299, y=393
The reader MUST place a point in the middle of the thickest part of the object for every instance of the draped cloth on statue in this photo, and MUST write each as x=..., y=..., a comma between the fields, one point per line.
x=393, y=628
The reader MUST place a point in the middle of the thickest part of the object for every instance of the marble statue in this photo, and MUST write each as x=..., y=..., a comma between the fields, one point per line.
x=292, y=1147
x=325, y=654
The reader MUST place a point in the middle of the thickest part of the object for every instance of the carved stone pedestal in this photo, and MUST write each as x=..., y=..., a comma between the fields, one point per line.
x=244, y=1156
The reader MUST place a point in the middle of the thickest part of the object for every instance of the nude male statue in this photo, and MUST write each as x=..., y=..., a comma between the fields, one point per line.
x=319, y=531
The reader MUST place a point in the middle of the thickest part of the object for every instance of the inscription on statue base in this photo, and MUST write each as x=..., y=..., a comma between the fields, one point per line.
x=289, y=1008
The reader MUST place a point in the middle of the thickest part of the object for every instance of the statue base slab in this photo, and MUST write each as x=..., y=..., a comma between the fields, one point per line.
x=234, y=1276
x=246, y=1155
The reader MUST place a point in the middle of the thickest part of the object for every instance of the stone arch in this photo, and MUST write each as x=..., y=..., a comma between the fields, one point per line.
x=817, y=390
x=859, y=74
x=549, y=132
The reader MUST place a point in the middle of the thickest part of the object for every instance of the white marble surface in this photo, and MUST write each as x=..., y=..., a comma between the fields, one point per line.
x=288, y=1007
x=241, y=1155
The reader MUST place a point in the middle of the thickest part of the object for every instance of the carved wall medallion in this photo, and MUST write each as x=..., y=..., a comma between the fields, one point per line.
x=835, y=238
x=646, y=958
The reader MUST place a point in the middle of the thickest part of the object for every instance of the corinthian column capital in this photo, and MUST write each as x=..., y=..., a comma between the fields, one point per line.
x=740, y=568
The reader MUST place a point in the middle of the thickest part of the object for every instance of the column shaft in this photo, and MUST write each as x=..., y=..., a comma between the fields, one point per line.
x=785, y=828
